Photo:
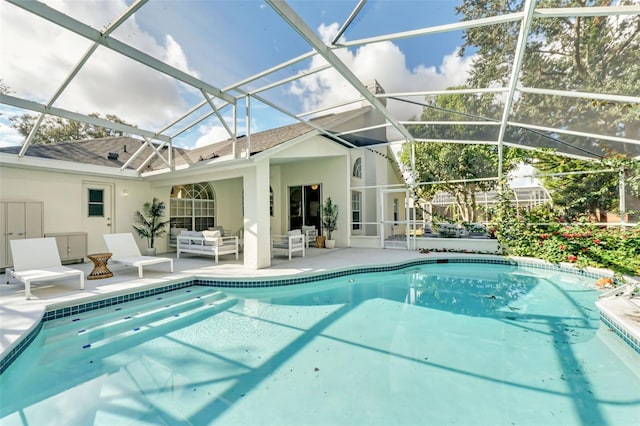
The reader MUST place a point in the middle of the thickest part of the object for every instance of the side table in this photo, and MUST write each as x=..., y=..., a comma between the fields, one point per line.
x=100, y=269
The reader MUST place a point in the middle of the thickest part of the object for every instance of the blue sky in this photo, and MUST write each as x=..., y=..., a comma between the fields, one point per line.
x=220, y=42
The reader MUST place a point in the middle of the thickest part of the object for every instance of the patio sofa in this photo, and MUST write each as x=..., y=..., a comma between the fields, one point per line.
x=206, y=243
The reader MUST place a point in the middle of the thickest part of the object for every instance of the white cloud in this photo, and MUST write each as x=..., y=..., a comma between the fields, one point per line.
x=38, y=57
x=210, y=135
x=384, y=62
x=9, y=136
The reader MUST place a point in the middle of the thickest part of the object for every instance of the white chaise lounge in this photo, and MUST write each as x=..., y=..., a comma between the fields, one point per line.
x=291, y=242
x=37, y=259
x=207, y=243
x=123, y=249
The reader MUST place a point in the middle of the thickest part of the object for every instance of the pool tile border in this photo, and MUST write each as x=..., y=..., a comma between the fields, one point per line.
x=615, y=327
x=258, y=283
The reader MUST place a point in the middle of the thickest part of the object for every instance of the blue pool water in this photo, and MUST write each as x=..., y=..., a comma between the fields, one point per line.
x=467, y=344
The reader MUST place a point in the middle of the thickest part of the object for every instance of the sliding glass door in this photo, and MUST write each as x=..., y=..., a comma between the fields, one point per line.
x=305, y=206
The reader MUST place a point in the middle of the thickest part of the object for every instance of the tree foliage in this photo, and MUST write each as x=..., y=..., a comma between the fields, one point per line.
x=449, y=163
x=591, y=194
x=590, y=54
x=54, y=130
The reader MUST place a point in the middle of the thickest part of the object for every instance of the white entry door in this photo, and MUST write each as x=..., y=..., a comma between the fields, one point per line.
x=97, y=216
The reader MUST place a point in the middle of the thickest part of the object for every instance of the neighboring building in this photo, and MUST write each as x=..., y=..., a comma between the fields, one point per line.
x=260, y=185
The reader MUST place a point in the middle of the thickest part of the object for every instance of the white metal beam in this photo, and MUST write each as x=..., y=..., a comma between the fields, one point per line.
x=192, y=124
x=525, y=25
x=575, y=94
x=110, y=28
x=298, y=76
x=156, y=152
x=575, y=133
x=135, y=155
x=567, y=12
x=309, y=123
x=283, y=9
x=349, y=20
x=453, y=123
x=458, y=26
x=363, y=129
x=52, y=15
x=334, y=106
x=469, y=91
x=96, y=121
x=220, y=117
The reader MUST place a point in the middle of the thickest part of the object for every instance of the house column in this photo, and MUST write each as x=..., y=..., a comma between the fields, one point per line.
x=257, y=224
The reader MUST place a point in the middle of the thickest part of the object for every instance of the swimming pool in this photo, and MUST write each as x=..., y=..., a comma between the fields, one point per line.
x=433, y=344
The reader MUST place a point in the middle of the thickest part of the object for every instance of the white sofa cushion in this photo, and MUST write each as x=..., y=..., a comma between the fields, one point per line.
x=210, y=236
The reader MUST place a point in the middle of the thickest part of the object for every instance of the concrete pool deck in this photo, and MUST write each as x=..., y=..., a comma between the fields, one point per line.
x=18, y=316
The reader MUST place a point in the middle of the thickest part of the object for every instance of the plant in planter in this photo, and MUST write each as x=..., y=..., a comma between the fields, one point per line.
x=150, y=224
x=330, y=221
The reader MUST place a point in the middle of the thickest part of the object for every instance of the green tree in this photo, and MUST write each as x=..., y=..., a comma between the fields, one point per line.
x=590, y=54
x=590, y=194
x=449, y=163
x=54, y=130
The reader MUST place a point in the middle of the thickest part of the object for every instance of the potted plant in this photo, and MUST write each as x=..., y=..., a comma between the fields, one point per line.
x=330, y=221
x=150, y=224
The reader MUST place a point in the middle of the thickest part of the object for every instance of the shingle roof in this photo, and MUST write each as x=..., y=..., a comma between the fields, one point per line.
x=96, y=151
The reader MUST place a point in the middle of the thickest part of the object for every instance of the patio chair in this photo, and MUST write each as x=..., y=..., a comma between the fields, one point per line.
x=38, y=259
x=292, y=241
x=310, y=233
x=124, y=250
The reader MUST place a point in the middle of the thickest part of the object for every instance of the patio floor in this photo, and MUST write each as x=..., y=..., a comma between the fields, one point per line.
x=18, y=315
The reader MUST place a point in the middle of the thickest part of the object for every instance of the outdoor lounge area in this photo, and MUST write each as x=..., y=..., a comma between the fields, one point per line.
x=286, y=212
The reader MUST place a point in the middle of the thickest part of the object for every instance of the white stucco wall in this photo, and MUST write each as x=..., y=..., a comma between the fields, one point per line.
x=328, y=171
x=229, y=203
x=63, y=205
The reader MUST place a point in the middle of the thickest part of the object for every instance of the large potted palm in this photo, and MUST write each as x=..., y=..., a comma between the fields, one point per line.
x=330, y=221
x=149, y=224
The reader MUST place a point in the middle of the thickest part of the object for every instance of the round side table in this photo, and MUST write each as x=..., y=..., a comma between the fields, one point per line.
x=100, y=269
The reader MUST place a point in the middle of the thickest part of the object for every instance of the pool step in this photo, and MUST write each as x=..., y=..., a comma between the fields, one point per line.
x=63, y=328
x=86, y=319
x=113, y=336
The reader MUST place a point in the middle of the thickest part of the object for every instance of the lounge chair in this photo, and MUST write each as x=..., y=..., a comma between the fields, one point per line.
x=37, y=259
x=123, y=249
x=292, y=242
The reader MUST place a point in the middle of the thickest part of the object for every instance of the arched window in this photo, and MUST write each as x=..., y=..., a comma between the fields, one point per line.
x=357, y=168
x=192, y=206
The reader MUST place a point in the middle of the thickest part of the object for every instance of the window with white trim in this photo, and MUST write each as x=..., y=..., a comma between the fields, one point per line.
x=192, y=206
x=356, y=210
x=357, y=168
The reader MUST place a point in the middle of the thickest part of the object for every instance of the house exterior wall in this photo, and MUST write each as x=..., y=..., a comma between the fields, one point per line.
x=62, y=197
x=379, y=172
x=330, y=172
x=307, y=162
x=229, y=204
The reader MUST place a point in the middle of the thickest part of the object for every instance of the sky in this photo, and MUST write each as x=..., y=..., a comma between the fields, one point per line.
x=221, y=42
